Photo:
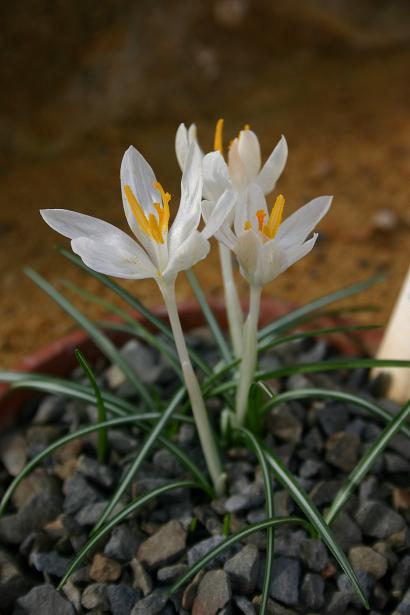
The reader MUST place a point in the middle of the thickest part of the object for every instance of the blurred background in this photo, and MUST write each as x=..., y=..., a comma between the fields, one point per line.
x=81, y=80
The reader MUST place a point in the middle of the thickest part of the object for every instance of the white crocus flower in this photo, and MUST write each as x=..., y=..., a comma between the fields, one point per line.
x=159, y=252
x=242, y=169
x=265, y=247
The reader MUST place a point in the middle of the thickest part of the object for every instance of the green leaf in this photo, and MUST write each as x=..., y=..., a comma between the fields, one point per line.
x=301, y=498
x=123, y=514
x=269, y=509
x=135, y=328
x=140, y=457
x=366, y=462
x=371, y=407
x=134, y=303
x=330, y=365
x=102, y=444
x=115, y=405
x=293, y=317
x=101, y=340
x=79, y=433
x=209, y=316
x=234, y=538
x=315, y=333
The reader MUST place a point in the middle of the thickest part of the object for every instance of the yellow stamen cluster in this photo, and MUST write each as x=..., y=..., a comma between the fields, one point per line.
x=269, y=229
x=153, y=226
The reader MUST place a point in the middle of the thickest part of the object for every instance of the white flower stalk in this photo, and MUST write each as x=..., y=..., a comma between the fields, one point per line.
x=160, y=252
x=243, y=167
x=265, y=247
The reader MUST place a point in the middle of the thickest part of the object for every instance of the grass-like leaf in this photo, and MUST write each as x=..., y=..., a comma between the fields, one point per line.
x=269, y=508
x=301, y=498
x=366, y=462
x=99, y=338
x=330, y=365
x=288, y=320
x=209, y=316
x=134, y=303
x=123, y=514
x=79, y=433
x=361, y=402
x=315, y=333
x=231, y=540
x=140, y=457
x=135, y=327
x=102, y=444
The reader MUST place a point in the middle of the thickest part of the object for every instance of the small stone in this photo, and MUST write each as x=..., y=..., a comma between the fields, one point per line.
x=121, y=598
x=13, y=583
x=244, y=605
x=189, y=593
x=122, y=545
x=44, y=599
x=369, y=489
x=298, y=381
x=33, y=516
x=39, y=437
x=73, y=594
x=91, y=513
x=151, y=605
x=214, y=593
x=52, y=563
x=163, y=547
x=202, y=548
x=338, y=602
x=103, y=569
x=97, y=472
x=167, y=463
x=288, y=542
x=313, y=554
x=313, y=440
x=385, y=219
x=95, y=597
x=312, y=591
x=243, y=569
x=170, y=574
x=284, y=424
x=367, y=584
x=401, y=498
x=142, y=579
x=401, y=574
x=400, y=444
x=346, y=531
x=368, y=560
x=395, y=464
x=310, y=468
x=142, y=360
x=273, y=608
x=332, y=418
x=385, y=550
x=379, y=521
x=285, y=580
x=14, y=454
x=404, y=606
x=324, y=491
x=342, y=450
x=35, y=483
x=79, y=493
x=251, y=496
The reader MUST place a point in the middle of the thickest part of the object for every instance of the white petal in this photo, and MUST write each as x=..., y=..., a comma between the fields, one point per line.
x=296, y=252
x=183, y=138
x=273, y=167
x=73, y=224
x=249, y=202
x=215, y=174
x=250, y=152
x=192, y=250
x=247, y=249
x=219, y=213
x=116, y=255
x=189, y=211
x=300, y=224
x=237, y=169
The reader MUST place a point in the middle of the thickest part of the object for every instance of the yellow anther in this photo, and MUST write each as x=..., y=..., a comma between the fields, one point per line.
x=261, y=215
x=218, y=144
x=137, y=210
x=163, y=213
x=271, y=227
x=152, y=226
x=247, y=127
x=247, y=226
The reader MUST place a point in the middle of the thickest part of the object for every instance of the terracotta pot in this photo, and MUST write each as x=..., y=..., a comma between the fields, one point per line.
x=58, y=359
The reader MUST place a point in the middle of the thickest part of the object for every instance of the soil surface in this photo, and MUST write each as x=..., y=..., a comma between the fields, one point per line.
x=344, y=113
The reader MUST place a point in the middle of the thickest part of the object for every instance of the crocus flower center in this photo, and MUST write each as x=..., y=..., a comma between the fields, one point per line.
x=155, y=226
x=269, y=230
x=218, y=138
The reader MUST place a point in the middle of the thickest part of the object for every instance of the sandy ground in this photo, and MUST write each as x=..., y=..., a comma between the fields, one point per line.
x=347, y=122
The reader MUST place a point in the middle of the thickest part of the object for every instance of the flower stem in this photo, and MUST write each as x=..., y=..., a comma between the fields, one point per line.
x=233, y=306
x=249, y=355
x=205, y=433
